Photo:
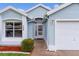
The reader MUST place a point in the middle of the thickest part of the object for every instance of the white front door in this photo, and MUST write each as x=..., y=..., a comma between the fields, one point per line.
x=39, y=30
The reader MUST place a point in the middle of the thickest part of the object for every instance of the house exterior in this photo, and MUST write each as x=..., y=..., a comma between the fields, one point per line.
x=62, y=28
x=59, y=27
x=11, y=22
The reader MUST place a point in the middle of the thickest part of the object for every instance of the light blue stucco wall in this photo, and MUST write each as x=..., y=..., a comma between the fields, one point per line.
x=70, y=12
x=31, y=30
x=45, y=31
x=38, y=12
x=10, y=14
x=35, y=13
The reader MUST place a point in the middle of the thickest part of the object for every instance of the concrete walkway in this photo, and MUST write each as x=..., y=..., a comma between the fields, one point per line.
x=40, y=49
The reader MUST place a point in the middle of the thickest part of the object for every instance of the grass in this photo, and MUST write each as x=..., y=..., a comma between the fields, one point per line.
x=13, y=54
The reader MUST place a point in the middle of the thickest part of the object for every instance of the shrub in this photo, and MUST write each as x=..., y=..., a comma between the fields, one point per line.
x=27, y=45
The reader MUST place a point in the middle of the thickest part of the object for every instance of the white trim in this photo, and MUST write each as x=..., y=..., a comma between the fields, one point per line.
x=38, y=6
x=12, y=19
x=1, y=28
x=12, y=8
x=55, y=28
x=59, y=8
x=25, y=26
x=67, y=20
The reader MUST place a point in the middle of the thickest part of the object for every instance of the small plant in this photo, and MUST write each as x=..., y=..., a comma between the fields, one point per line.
x=27, y=45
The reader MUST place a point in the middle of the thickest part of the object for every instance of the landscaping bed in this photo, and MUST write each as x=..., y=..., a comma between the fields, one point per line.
x=10, y=48
x=25, y=49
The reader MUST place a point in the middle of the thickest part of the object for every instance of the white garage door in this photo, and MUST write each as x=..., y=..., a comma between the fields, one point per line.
x=67, y=35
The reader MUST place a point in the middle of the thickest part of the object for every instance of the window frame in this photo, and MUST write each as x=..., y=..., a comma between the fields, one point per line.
x=14, y=36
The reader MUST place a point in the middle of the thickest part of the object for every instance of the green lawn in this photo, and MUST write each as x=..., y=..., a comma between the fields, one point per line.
x=13, y=54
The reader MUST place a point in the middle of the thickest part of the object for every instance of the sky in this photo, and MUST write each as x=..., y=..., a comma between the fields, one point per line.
x=25, y=6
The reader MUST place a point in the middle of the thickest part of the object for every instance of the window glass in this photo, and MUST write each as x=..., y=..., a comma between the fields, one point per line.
x=13, y=29
x=18, y=33
x=18, y=25
x=40, y=28
x=40, y=33
x=9, y=25
x=9, y=33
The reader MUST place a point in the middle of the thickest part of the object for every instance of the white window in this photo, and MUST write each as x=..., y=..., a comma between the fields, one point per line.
x=13, y=29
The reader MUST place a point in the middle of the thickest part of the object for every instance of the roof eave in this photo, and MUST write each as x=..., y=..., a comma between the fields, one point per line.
x=10, y=7
x=48, y=8
x=59, y=8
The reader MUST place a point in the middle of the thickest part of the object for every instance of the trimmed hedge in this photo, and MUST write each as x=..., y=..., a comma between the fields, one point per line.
x=27, y=45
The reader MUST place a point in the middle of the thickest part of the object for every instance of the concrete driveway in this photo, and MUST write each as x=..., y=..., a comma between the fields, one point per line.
x=40, y=49
x=68, y=53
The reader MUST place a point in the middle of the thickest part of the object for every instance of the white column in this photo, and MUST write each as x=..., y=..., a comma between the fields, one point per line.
x=1, y=28
x=51, y=34
x=24, y=23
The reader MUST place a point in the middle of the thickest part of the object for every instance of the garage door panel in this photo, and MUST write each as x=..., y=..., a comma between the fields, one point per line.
x=67, y=35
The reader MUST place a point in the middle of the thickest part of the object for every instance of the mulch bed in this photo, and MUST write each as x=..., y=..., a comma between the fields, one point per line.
x=10, y=48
